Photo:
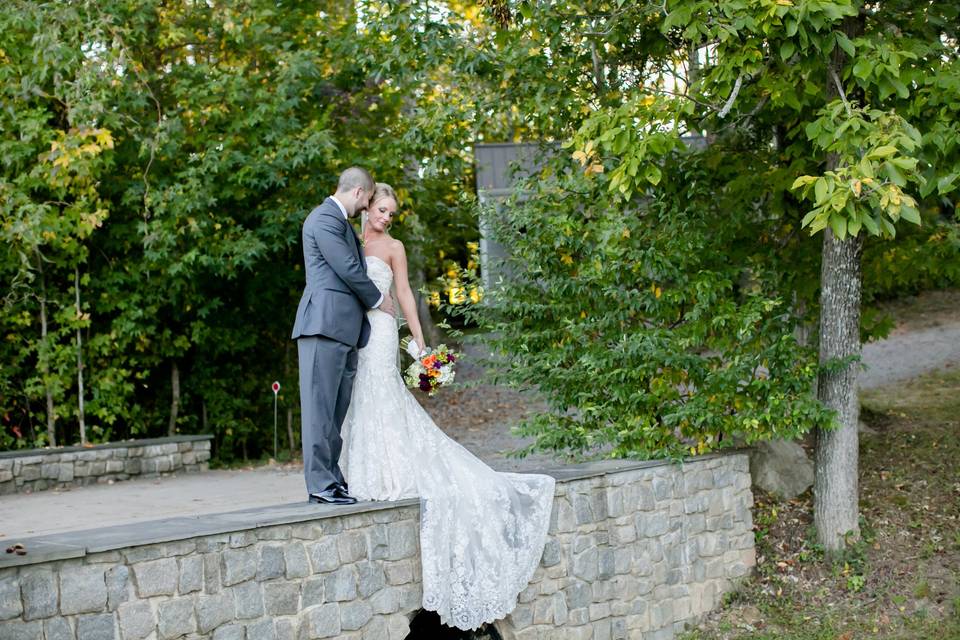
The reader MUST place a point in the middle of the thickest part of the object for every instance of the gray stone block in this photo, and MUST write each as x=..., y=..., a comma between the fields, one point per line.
x=117, y=580
x=340, y=585
x=386, y=600
x=402, y=540
x=238, y=565
x=41, y=593
x=156, y=577
x=324, y=556
x=352, y=546
x=176, y=618
x=370, y=578
x=285, y=629
x=271, y=563
x=248, y=598
x=261, y=630
x=66, y=472
x=281, y=598
x=585, y=565
x=10, y=604
x=322, y=621
x=83, y=589
x=211, y=572
x=215, y=610
x=58, y=628
x=551, y=553
x=353, y=615
x=296, y=560
x=19, y=630
x=230, y=632
x=136, y=620
x=101, y=626
x=578, y=595
x=378, y=547
x=191, y=574
x=313, y=591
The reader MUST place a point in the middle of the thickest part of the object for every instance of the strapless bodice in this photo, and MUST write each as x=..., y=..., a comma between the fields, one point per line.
x=380, y=273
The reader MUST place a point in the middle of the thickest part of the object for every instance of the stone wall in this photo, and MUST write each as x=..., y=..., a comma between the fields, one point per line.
x=636, y=550
x=41, y=469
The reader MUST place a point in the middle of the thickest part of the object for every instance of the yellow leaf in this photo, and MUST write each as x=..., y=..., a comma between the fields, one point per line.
x=657, y=292
x=596, y=167
x=785, y=3
x=857, y=187
x=565, y=258
x=647, y=101
x=580, y=157
x=626, y=233
x=583, y=314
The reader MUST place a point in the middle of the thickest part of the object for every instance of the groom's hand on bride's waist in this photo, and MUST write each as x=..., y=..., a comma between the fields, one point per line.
x=387, y=306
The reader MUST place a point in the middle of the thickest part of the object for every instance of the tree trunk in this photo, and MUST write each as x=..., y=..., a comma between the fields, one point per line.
x=286, y=376
x=174, y=398
x=43, y=357
x=80, y=414
x=836, y=511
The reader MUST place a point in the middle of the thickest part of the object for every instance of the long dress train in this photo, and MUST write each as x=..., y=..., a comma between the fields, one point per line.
x=482, y=532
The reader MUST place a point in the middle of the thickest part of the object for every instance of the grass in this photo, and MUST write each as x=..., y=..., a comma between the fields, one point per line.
x=901, y=580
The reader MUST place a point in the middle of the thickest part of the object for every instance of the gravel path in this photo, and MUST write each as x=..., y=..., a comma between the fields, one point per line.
x=906, y=355
x=479, y=417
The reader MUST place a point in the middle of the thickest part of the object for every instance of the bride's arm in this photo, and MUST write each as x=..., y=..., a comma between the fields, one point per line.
x=404, y=294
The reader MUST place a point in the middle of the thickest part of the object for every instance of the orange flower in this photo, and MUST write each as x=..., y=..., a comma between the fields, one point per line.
x=430, y=360
x=434, y=373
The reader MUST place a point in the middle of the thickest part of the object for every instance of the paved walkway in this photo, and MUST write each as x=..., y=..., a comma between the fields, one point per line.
x=900, y=357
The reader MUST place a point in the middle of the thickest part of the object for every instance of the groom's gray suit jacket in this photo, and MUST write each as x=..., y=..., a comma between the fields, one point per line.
x=338, y=291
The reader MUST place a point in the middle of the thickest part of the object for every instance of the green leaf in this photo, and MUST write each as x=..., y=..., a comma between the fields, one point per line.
x=820, y=190
x=845, y=43
x=910, y=214
x=801, y=181
x=653, y=174
x=894, y=174
x=863, y=68
x=839, y=225
x=787, y=49
x=871, y=225
x=945, y=184
x=883, y=152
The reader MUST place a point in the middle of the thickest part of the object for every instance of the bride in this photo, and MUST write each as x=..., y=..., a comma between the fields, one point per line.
x=481, y=532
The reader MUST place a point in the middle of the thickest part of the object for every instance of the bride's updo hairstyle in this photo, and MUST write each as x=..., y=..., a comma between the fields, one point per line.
x=383, y=190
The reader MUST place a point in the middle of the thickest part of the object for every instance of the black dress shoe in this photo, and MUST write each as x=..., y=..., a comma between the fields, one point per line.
x=331, y=498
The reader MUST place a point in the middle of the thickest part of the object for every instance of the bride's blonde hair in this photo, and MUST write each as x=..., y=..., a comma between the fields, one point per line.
x=383, y=190
x=380, y=190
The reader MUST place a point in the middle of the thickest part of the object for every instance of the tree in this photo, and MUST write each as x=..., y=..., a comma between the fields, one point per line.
x=861, y=93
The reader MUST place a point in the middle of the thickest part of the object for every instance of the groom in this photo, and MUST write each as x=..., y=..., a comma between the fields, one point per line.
x=331, y=325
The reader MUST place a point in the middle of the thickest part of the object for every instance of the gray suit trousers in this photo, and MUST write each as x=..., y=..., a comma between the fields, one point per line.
x=327, y=371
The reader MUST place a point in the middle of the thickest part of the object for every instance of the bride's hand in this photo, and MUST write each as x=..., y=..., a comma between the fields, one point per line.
x=413, y=349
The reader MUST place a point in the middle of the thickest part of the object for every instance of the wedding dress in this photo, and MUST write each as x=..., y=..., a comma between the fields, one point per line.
x=482, y=532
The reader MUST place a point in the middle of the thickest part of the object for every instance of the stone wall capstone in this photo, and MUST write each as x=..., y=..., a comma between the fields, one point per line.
x=42, y=469
x=636, y=550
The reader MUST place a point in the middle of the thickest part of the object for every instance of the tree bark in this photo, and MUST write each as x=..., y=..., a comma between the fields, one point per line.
x=174, y=398
x=836, y=509
x=80, y=413
x=43, y=357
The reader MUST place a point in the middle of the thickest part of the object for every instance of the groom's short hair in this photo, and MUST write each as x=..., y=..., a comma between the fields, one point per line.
x=355, y=177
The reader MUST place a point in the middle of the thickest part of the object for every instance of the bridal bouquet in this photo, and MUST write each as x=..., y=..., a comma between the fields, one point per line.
x=432, y=369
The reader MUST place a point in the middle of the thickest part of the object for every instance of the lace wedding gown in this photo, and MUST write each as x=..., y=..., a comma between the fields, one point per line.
x=481, y=532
